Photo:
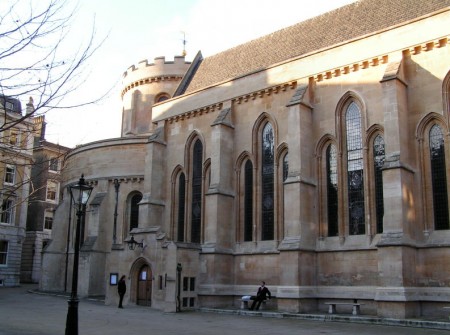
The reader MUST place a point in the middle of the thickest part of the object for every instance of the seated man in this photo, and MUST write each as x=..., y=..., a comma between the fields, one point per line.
x=261, y=295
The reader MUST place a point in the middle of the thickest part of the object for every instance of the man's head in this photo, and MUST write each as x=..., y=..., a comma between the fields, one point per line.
x=263, y=283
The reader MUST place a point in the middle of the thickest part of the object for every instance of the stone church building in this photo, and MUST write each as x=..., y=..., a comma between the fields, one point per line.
x=316, y=158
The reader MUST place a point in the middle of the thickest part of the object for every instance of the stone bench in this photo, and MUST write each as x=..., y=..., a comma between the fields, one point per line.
x=447, y=308
x=355, y=309
x=244, y=301
x=246, y=298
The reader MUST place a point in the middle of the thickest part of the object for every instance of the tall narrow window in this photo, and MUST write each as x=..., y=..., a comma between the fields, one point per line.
x=439, y=179
x=13, y=135
x=10, y=174
x=52, y=188
x=248, y=202
x=53, y=164
x=355, y=170
x=332, y=190
x=267, y=183
x=48, y=220
x=3, y=252
x=197, y=159
x=7, y=211
x=134, y=210
x=378, y=161
x=181, y=206
x=285, y=167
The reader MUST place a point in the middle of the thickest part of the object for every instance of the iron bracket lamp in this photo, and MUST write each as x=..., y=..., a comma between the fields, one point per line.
x=132, y=243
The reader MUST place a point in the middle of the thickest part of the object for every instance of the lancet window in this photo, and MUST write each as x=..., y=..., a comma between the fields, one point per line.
x=438, y=178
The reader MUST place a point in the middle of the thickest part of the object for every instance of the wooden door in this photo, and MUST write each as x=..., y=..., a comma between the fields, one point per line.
x=144, y=291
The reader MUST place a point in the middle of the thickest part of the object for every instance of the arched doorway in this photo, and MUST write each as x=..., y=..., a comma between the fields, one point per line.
x=144, y=286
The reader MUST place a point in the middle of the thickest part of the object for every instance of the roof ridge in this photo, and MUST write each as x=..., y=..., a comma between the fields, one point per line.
x=342, y=24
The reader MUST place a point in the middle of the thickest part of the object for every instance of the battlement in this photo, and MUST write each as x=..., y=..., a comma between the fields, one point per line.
x=159, y=67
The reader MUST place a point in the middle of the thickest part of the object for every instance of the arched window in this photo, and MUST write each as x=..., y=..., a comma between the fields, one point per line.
x=438, y=179
x=134, y=210
x=378, y=162
x=196, y=209
x=332, y=190
x=181, y=207
x=161, y=97
x=285, y=167
x=248, y=201
x=355, y=170
x=267, y=183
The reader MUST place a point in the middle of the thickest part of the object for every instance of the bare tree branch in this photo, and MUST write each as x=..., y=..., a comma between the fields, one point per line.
x=34, y=60
x=42, y=65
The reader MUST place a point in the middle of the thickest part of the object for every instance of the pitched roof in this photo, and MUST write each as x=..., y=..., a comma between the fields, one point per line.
x=332, y=28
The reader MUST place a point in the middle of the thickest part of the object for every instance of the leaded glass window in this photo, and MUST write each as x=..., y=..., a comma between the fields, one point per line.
x=248, y=201
x=134, y=210
x=196, y=214
x=332, y=190
x=285, y=167
x=355, y=170
x=378, y=161
x=181, y=206
x=439, y=179
x=267, y=182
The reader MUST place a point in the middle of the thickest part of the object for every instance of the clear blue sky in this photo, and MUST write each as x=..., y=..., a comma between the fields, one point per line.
x=145, y=29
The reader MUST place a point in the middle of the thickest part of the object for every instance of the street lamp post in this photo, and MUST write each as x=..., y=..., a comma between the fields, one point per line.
x=179, y=269
x=116, y=187
x=79, y=194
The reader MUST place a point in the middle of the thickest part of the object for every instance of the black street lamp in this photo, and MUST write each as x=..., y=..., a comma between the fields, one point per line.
x=179, y=269
x=116, y=187
x=79, y=195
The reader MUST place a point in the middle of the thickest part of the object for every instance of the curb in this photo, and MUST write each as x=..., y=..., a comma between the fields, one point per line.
x=373, y=320
x=65, y=295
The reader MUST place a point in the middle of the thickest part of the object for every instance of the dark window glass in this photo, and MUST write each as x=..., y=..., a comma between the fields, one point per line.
x=248, y=202
x=191, y=302
x=332, y=191
x=378, y=161
x=196, y=191
x=162, y=98
x=134, y=211
x=355, y=170
x=3, y=252
x=267, y=183
x=53, y=164
x=181, y=204
x=185, y=283
x=10, y=174
x=185, y=302
x=439, y=179
x=285, y=167
x=48, y=222
x=7, y=211
x=192, y=284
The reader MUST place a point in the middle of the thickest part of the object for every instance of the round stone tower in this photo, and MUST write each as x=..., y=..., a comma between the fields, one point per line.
x=145, y=85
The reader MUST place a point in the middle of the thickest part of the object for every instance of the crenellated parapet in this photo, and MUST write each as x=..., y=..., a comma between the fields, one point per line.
x=160, y=70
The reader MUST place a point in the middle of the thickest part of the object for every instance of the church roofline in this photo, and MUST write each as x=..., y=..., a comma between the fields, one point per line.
x=343, y=25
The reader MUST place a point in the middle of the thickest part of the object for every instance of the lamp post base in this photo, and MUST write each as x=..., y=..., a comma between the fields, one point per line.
x=72, y=317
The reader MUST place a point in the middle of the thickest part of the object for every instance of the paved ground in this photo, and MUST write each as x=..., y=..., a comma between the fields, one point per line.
x=24, y=313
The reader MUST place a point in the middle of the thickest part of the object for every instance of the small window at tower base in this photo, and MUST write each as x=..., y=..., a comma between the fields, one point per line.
x=162, y=97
